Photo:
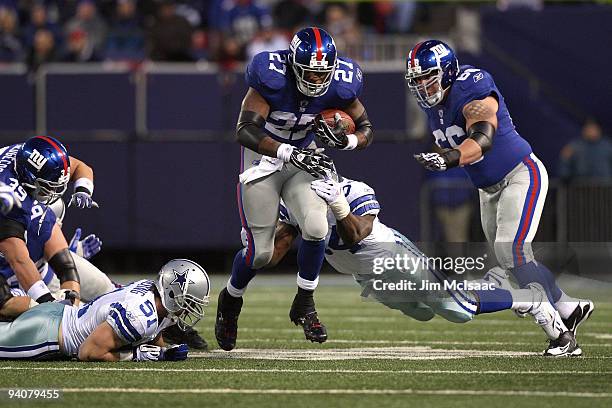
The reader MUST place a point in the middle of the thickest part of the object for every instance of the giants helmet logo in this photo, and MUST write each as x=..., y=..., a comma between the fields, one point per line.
x=37, y=160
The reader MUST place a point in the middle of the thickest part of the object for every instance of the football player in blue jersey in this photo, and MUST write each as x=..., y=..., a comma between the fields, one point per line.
x=276, y=127
x=473, y=128
x=38, y=172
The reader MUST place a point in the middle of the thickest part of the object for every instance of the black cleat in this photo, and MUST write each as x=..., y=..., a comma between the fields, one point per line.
x=582, y=312
x=303, y=314
x=314, y=330
x=565, y=345
x=226, y=324
x=190, y=337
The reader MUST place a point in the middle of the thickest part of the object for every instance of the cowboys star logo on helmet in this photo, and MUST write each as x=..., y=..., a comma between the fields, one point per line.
x=181, y=278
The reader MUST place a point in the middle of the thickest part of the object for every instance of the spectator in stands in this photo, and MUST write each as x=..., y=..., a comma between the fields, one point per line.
x=43, y=49
x=199, y=46
x=11, y=49
x=291, y=15
x=245, y=19
x=341, y=24
x=589, y=157
x=170, y=35
x=268, y=39
x=87, y=20
x=126, y=37
x=80, y=48
x=39, y=19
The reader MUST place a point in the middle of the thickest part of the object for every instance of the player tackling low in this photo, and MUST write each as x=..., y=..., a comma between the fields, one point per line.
x=276, y=128
x=471, y=124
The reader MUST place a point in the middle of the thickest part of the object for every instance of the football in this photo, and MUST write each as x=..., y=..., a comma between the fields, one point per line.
x=346, y=122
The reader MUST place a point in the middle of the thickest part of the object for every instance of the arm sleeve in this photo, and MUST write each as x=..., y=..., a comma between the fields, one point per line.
x=362, y=200
x=11, y=229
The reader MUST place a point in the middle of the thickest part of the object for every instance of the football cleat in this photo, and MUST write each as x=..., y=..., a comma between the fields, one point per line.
x=314, y=330
x=303, y=314
x=190, y=337
x=226, y=324
x=564, y=346
x=544, y=313
x=582, y=312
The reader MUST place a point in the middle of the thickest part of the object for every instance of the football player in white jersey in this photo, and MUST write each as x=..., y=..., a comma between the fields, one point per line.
x=122, y=325
x=357, y=239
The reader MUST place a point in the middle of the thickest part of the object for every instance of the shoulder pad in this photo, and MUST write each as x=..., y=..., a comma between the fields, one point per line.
x=267, y=71
x=475, y=83
x=361, y=198
x=349, y=79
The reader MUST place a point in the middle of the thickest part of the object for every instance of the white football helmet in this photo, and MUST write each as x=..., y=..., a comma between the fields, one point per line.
x=184, y=289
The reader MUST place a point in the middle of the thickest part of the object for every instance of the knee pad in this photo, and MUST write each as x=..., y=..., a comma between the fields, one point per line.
x=315, y=226
x=5, y=291
x=262, y=257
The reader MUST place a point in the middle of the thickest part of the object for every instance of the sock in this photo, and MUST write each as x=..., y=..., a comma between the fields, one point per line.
x=310, y=260
x=490, y=301
x=241, y=276
x=555, y=291
x=522, y=300
x=566, y=305
x=531, y=272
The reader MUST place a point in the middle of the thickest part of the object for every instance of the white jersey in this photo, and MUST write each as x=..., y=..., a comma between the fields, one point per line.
x=356, y=259
x=129, y=310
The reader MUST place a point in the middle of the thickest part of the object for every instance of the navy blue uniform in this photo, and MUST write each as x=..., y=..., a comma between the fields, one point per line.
x=447, y=123
x=292, y=112
x=9, y=177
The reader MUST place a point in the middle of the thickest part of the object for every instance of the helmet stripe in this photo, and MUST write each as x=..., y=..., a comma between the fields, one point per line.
x=62, y=155
x=414, y=51
x=317, y=35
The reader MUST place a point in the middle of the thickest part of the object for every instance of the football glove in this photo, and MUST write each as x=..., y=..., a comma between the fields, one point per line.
x=7, y=199
x=68, y=297
x=82, y=199
x=87, y=247
x=149, y=352
x=332, y=137
x=439, y=161
x=175, y=353
x=312, y=161
x=331, y=191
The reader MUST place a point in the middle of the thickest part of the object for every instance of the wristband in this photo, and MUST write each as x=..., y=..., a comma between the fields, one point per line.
x=284, y=152
x=37, y=290
x=352, y=141
x=47, y=297
x=340, y=208
x=84, y=183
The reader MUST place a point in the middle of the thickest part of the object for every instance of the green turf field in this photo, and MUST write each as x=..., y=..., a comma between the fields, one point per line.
x=375, y=357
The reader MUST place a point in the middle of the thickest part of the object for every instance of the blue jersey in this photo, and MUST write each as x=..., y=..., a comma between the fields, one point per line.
x=9, y=177
x=37, y=235
x=291, y=112
x=447, y=123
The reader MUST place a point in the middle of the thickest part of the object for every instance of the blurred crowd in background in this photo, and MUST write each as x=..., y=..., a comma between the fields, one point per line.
x=222, y=31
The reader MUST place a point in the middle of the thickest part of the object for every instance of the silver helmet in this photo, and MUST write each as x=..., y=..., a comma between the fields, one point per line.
x=184, y=289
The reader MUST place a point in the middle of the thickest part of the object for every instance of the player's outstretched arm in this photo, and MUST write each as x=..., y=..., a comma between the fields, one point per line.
x=16, y=253
x=363, y=126
x=60, y=259
x=83, y=177
x=354, y=228
x=283, y=240
x=480, y=124
x=102, y=344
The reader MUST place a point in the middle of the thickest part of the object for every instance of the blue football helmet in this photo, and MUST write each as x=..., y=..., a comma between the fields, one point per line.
x=313, y=57
x=42, y=165
x=431, y=68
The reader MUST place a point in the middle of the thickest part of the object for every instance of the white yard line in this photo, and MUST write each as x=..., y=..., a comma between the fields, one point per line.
x=301, y=371
x=518, y=393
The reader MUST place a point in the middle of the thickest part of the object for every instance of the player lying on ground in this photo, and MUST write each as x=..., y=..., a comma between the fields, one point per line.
x=123, y=325
x=287, y=90
x=357, y=238
x=473, y=128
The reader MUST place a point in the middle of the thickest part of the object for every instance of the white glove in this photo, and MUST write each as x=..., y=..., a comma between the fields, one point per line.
x=147, y=352
x=331, y=191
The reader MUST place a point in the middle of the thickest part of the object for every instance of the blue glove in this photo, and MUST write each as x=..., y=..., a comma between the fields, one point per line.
x=82, y=199
x=175, y=353
x=87, y=247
